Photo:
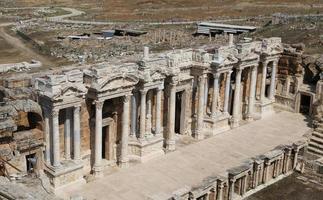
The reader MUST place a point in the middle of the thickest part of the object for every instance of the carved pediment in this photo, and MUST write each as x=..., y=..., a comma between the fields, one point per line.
x=116, y=82
x=69, y=92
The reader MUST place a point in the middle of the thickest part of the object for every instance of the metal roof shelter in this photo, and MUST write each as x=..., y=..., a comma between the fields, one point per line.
x=209, y=28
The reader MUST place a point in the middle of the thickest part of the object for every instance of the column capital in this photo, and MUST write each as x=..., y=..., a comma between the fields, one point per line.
x=143, y=91
x=77, y=108
x=216, y=75
x=99, y=104
x=126, y=98
x=229, y=72
x=55, y=112
x=253, y=68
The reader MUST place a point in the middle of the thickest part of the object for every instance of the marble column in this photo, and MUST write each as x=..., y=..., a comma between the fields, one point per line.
x=286, y=93
x=47, y=136
x=77, y=133
x=227, y=92
x=149, y=113
x=206, y=93
x=219, y=194
x=142, y=114
x=237, y=102
x=286, y=161
x=98, y=138
x=245, y=185
x=263, y=82
x=170, y=141
x=273, y=81
x=56, y=138
x=231, y=189
x=215, y=94
x=252, y=93
x=67, y=134
x=295, y=158
x=133, y=131
x=158, y=111
x=200, y=109
x=255, y=176
x=125, y=132
x=266, y=172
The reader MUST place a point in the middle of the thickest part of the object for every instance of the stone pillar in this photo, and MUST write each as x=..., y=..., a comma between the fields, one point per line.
x=263, y=82
x=245, y=184
x=215, y=94
x=206, y=93
x=133, y=116
x=170, y=141
x=255, y=176
x=143, y=114
x=47, y=137
x=252, y=92
x=273, y=81
x=56, y=142
x=266, y=171
x=200, y=110
x=98, y=138
x=286, y=161
x=125, y=132
x=219, y=194
x=295, y=157
x=286, y=93
x=158, y=111
x=237, y=102
x=227, y=92
x=231, y=189
x=67, y=134
x=77, y=133
x=149, y=113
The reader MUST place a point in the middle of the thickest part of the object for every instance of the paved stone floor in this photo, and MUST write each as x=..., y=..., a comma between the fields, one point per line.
x=190, y=164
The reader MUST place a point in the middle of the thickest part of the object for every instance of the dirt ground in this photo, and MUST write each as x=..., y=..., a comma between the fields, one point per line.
x=178, y=10
x=290, y=188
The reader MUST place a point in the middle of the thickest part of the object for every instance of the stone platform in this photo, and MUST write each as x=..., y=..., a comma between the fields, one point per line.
x=189, y=165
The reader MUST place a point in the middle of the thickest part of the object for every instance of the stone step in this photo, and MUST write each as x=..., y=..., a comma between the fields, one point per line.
x=318, y=140
x=319, y=129
x=316, y=146
x=315, y=151
x=317, y=134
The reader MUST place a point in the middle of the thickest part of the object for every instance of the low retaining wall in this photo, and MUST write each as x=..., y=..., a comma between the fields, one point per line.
x=248, y=178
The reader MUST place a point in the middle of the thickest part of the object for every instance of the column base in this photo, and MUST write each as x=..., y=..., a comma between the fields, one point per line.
x=199, y=135
x=97, y=171
x=249, y=118
x=234, y=123
x=144, y=149
x=124, y=164
x=170, y=145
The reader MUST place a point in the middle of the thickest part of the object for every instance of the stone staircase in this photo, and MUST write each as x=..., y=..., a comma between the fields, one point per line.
x=316, y=141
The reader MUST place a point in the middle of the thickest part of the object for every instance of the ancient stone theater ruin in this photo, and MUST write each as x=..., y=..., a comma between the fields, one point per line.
x=73, y=123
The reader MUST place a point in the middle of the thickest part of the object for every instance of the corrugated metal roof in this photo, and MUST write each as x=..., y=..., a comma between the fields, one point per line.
x=228, y=26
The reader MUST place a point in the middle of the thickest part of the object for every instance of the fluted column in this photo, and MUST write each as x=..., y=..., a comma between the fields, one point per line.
x=227, y=92
x=170, y=141
x=273, y=81
x=67, y=134
x=149, y=113
x=200, y=109
x=133, y=130
x=252, y=94
x=125, y=132
x=158, y=111
x=98, y=137
x=286, y=161
x=237, y=101
x=263, y=81
x=206, y=93
x=295, y=158
x=56, y=139
x=215, y=94
x=286, y=92
x=143, y=94
x=47, y=136
x=77, y=133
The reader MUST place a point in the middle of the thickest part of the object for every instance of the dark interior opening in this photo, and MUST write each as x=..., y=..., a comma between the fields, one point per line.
x=178, y=111
x=104, y=137
x=267, y=89
x=31, y=162
x=305, y=104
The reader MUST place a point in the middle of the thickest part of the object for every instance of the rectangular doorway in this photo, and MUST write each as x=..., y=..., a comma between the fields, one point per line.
x=180, y=112
x=30, y=162
x=305, y=104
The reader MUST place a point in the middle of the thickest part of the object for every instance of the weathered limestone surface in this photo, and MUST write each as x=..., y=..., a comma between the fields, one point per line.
x=184, y=169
